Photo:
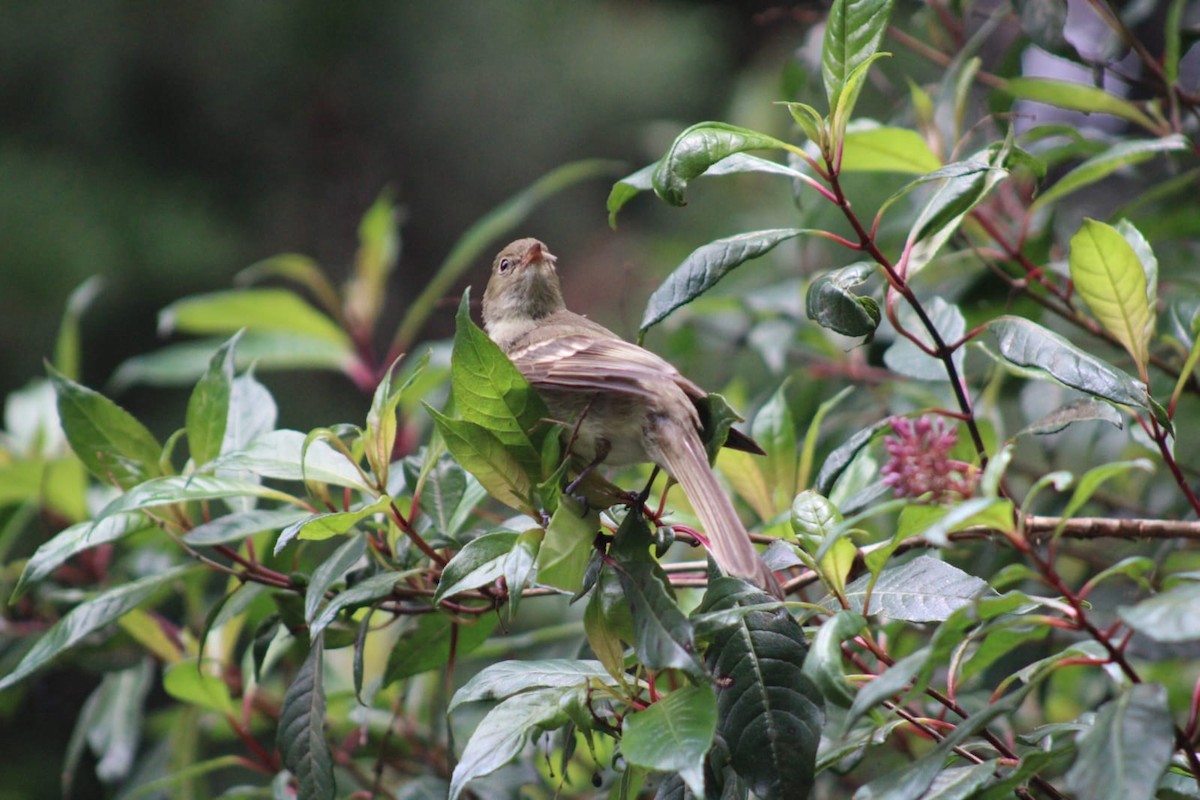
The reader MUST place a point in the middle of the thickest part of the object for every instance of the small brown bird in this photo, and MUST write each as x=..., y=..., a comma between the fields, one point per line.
x=625, y=404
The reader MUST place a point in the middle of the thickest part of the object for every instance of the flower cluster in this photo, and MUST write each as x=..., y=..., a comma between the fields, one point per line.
x=919, y=462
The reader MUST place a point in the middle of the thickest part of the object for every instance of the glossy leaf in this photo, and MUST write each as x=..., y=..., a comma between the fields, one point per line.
x=823, y=664
x=567, y=547
x=239, y=525
x=1169, y=616
x=831, y=303
x=1100, y=166
x=770, y=714
x=330, y=571
x=505, y=679
x=707, y=265
x=1108, y=276
x=892, y=682
x=962, y=186
x=479, y=563
x=208, y=406
x=1095, y=477
x=886, y=149
x=301, y=732
x=1076, y=97
x=1086, y=410
x=1127, y=748
x=486, y=457
x=365, y=592
x=697, y=149
x=275, y=310
x=426, y=646
x=75, y=539
x=921, y=590
x=322, y=526
x=113, y=445
x=1044, y=354
x=842, y=110
x=662, y=634
x=186, y=488
x=67, y=346
x=286, y=455
x=853, y=32
x=843, y=455
x=86, y=617
x=673, y=734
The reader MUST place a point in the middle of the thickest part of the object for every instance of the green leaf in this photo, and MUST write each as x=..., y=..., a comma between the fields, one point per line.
x=186, y=488
x=775, y=430
x=626, y=189
x=814, y=519
x=113, y=445
x=363, y=593
x=830, y=303
x=707, y=265
x=662, y=633
x=483, y=234
x=836, y=463
x=811, y=122
x=508, y=678
x=323, y=526
x=490, y=392
x=259, y=310
x=426, y=646
x=479, y=563
x=1095, y=477
x=110, y=723
x=1044, y=354
x=239, y=525
x=852, y=35
x=298, y=268
x=208, y=406
x=86, y=618
x=378, y=250
x=673, y=734
x=697, y=149
x=1077, y=97
x=379, y=439
x=75, y=539
x=503, y=733
x=301, y=733
x=478, y=450
x=1169, y=616
x=922, y=590
x=66, y=348
x=1127, y=748
x=331, y=570
x=891, y=682
x=906, y=358
x=887, y=149
x=1108, y=276
x=287, y=455
x=963, y=185
x=183, y=363
x=187, y=682
x=1085, y=410
x=770, y=714
x=823, y=664
x=1100, y=166
x=840, y=116
x=570, y=539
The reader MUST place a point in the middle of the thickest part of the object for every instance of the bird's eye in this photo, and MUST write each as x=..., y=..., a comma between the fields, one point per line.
x=504, y=264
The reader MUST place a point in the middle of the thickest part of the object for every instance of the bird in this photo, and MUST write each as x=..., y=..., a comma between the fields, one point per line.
x=620, y=403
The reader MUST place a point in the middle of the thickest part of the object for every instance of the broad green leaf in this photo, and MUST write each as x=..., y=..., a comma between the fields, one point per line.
x=323, y=526
x=775, y=431
x=823, y=663
x=186, y=488
x=252, y=413
x=258, y=310
x=1127, y=748
x=922, y=590
x=570, y=539
x=963, y=185
x=67, y=346
x=852, y=35
x=87, y=617
x=1044, y=354
x=113, y=445
x=1077, y=97
x=486, y=457
x=886, y=149
x=814, y=519
x=906, y=358
x=301, y=732
x=707, y=265
x=673, y=734
x=239, y=525
x=1097, y=167
x=300, y=269
x=148, y=632
x=365, y=592
x=208, y=406
x=1095, y=477
x=75, y=539
x=183, y=363
x=831, y=303
x=188, y=682
x=503, y=733
x=426, y=645
x=479, y=563
x=332, y=570
x=607, y=624
x=379, y=439
x=285, y=455
x=839, y=117
x=505, y=679
x=626, y=189
x=448, y=495
x=1169, y=616
x=662, y=633
x=491, y=393
x=1108, y=276
x=770, y=714
x=697, y=149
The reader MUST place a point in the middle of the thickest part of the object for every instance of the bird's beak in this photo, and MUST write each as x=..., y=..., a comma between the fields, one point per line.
x=537, y=252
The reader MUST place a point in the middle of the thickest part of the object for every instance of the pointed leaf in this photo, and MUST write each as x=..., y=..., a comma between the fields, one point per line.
x=662, y=632
x=275, y=310
x=75, y=539
x=208, y=406
x=922, y=590
x=301, y=733
x=362, y=593
x=1077, y=97
x=1108, y=276
x=673, y=734
x=852, y=35
x=1169, y=616
x=886, y=149
x=1127, y=748
x=830, y=303
x=1097, y=167
x=287, y=455
x=428, y=645
x=508, y=678
x=486, y=457
x=479, y=563
x=697, y=149
x=239, y=525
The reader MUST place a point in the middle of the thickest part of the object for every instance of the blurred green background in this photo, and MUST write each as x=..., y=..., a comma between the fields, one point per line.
x=165, y=146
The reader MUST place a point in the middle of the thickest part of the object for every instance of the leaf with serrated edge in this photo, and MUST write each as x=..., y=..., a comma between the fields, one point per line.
x=301, y=733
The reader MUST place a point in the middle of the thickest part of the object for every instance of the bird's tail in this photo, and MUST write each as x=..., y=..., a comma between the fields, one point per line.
x=682, y=454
